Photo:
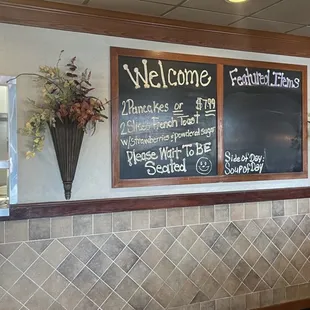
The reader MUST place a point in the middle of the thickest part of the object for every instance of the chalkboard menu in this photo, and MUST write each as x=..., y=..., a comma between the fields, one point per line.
x=262, y=120
x=191, y=119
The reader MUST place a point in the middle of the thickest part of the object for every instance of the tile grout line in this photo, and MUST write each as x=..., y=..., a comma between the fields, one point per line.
x=204, y=222
x=139, y=286
x=23, y=273
x=70, y=282
x=130, y=220
x=71, y=225
x=50, y=220
x=54, y=270
x=164, y=255
x=248, y=224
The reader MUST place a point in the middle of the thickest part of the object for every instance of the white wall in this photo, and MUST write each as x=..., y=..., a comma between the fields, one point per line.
x=23, y=49
x=3, y=99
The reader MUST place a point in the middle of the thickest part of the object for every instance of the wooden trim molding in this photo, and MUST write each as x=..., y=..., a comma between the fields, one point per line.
x=294, y=305
x=47, y=14
x=68, y=208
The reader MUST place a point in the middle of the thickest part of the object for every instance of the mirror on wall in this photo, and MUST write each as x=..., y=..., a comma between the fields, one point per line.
x=8, y=145
x=4, y=152
x=4, y=155
x=4, y=195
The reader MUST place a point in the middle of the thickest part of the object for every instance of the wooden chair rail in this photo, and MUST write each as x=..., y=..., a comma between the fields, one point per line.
x=294, y=305
x=68, y=208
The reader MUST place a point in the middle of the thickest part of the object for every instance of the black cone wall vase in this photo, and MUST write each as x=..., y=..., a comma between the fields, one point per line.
x=67, y=140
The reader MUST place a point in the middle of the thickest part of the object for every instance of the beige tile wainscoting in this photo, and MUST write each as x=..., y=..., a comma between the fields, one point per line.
x=242, y=256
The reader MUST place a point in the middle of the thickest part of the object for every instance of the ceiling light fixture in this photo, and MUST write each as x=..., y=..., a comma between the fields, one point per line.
x=236, y=1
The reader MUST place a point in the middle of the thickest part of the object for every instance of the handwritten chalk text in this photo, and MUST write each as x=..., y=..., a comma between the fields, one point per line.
x=269, y=79
x=166, y=78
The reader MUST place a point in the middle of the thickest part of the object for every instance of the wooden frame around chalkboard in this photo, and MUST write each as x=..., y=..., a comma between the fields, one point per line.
x=220, y=62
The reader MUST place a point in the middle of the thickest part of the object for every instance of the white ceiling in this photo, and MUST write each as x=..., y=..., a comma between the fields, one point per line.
x=285, y=16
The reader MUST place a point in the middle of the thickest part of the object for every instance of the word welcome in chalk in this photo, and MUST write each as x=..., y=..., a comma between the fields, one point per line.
x=166, y=78
x=256, y=78
x=243, y=164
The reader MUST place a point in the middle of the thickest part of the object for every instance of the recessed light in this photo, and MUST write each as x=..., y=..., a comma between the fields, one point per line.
x=236, y=1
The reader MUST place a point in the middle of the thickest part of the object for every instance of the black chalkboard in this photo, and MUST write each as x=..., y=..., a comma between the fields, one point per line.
x=186, y=119
x=166, y=118
x=262, y=120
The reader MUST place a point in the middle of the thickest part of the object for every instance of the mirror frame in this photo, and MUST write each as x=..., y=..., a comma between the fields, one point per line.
x=12, y=163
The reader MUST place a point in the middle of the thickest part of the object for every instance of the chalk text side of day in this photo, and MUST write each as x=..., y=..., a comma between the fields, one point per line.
x=243, y=164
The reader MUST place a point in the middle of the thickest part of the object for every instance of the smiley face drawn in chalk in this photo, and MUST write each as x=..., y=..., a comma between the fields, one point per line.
x=204, y=165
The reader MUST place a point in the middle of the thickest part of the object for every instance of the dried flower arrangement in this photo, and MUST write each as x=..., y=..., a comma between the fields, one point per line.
x=65, y=97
